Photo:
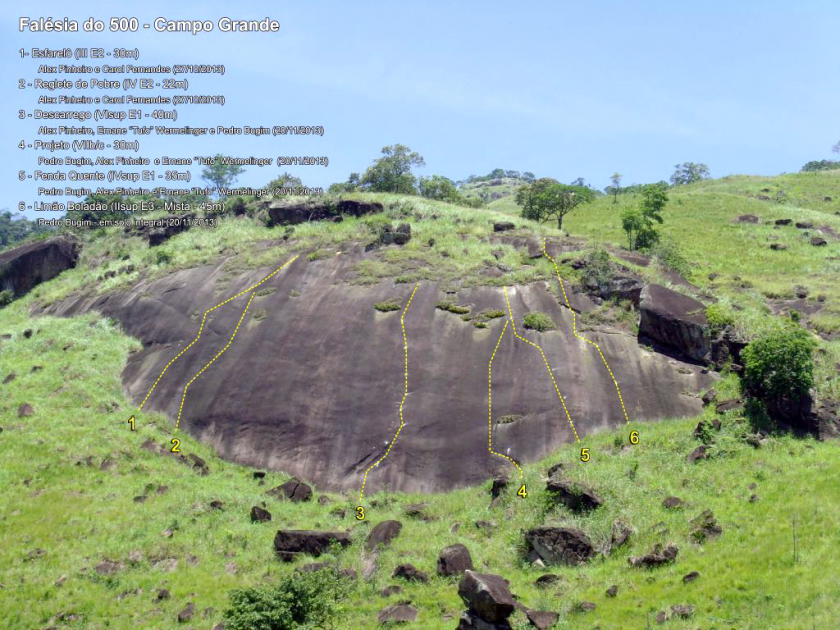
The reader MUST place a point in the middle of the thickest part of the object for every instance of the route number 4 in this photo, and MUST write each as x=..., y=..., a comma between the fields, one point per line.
x=584, y=454
x=522, y=492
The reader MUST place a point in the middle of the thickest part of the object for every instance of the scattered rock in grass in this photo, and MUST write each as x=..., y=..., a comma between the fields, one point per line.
x=683, y=611
x=705, y=526
x=779, y=247
x=584, y=607
x=488, y=527
x=162, y=594
x=135, y=557
x=108, y=567
x=709, y=397
x=574, y=495
x=382, y=534
x=732, y=404
x=688, y=578
x=804, y=225
x=559, y=545
x=27, y=333
x=547, y=580
x=499, y=485
x=620, y=534
x=661, y=616
x=166, y=564
x=393, y=589
x=784, y=221
x=140, y=498
x=747, y=218
x=612, y=591
x=25, y=411
x=410, y=573
x=294, y=489
x=260, y=515
x=697, y=454
x=324, y=500
x=397, y=613
x=9, y=378
x=541, y=619
x=396, y=236
x=259, y=474
x=503, y=226
x=454, y=560
x=60, y=580
x=818, y=241
x=198, y=464
x=215, y=504
x=554, y=469
x=187, y=613
x=418, y=511
x=657, y=556
x=107, y=464
x=672, y=503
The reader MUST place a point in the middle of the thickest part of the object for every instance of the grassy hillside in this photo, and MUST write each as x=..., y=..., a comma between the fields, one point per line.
x=73, y=471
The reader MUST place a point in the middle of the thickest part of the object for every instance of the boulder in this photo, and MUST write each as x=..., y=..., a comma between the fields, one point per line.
x=25, y=411
x=187, y=613
x=395, y=236
x=683, y=611
x=410, y=573
x=560, y=545
x=542, y=619
x=747, y=218
x=697, y=454
x=470, y=621
x=657, y=556
x=784, y=221
x=454, y=560
x=382, y=534
x=688, y=578
x=620, y=535
x=574, y=495
x=27, y=266
x=804, y=225
x=818, y=241
x=612, y=591
x=675, y=320
x=288, y=544
x=672, y=503
x=398, y=613
x=709, y=397
x=705, y=526
x=198, y=464
x=503, y=226
x=499, y=485
x=732, y=404
x=259, y=515
x=547, y=580
x=487, y=596
x=727, y=347
x=294, y=489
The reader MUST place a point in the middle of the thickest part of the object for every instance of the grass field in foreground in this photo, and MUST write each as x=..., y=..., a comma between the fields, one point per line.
x=62, y=515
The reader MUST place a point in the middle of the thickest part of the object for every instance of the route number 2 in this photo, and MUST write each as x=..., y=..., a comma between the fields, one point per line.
x=584, y=454
x=360, y=513
x=176, y=445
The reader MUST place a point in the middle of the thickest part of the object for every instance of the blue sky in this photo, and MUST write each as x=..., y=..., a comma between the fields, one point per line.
x=562, y=89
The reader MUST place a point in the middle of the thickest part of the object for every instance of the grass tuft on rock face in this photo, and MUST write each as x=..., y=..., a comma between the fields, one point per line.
x=539, y=321
x=387, y=307
x=451, y=307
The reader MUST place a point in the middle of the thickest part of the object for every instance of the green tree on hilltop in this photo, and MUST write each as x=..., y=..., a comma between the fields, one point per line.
x=615, y=178
x=392, y=172
x=547, y=199
x=221, y=175
x=639, y=223
x=688, y=173
x=440, y=188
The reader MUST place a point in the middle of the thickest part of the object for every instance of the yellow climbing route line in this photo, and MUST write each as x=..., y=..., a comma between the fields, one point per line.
x=218, y=354
x=201, y=328
x=547, y=366
x=574, y=330
x=402, y=402
x=490, y=406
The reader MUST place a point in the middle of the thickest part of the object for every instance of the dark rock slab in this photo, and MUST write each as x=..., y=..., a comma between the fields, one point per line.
x=410, y=573
x=560, y=545
x=542, y=619
x=294, y=489
x=487, y=596
x=288, y=544
x=503, y=226
x=705, y=526
x=674, y=320
x=397, y=613
x=260, y=515
x=27, y=266
x=576, y=496
x=656, y=557
x=285, y=213
x=382, y=534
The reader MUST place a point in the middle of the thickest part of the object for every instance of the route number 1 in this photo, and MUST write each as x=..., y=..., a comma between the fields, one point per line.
x=132, y=423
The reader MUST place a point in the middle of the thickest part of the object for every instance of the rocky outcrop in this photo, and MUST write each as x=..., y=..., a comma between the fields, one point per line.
x=656, y=557
x=27, y=266
x=399, y=235
x=288, y=544
x=285, y=213
x=560, y=545
x=674, y=320
x=805, y=413
x=576, y=496
x=158, y=231
x=727, y=347
x=294, y=490
x=397, y=613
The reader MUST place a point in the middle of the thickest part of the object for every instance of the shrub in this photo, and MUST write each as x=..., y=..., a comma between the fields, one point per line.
x=719, y=317
x=820, y=165
x=780, y=363
x=163, y=257
x=453, y=308
x=6, y=297
x=669, y=256
x=598, y=271
x=302, y=600
x=387, y=307
x=538, y=321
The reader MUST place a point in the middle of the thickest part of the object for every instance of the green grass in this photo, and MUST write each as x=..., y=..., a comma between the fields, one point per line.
x=386, y=307
x=451, y=307
x=80, y=515
x=541, y=322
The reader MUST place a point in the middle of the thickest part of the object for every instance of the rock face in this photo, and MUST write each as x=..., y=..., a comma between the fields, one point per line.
x=487, y=596
x=560, y=545
x=621, y=287
x=675, y=320
x=383, y=534
x=454, y=560
x=284, y=213
x=277, y=401
x=27, y=266
x=574, y=495
x=289, y=543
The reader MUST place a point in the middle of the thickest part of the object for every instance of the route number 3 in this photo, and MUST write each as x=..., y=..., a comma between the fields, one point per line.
x=360, y=513
x=584, y=454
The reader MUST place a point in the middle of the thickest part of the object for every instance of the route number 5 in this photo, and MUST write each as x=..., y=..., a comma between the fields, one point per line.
x=584, y=454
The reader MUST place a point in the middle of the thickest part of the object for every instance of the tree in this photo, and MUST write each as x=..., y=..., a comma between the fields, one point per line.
x=688, y=173
x=836, y=147
x=780, y=364
x=529, y=177
x=547, y=198
x=221, y=175
x=638, y=223
x=615, y=178
x=284, y=180
x=821, y=165
x=392, y=172
x=440, y=188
